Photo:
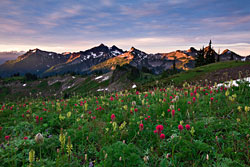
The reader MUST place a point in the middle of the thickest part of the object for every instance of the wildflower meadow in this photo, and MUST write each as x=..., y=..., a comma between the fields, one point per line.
x=186, y=126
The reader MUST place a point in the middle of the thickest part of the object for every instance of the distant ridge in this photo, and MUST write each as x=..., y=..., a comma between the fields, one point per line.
x=103, y=59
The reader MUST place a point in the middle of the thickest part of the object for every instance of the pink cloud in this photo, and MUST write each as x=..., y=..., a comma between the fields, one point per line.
x=145, y=10
x=226, y=21
x=55, y=18
x=14, y=26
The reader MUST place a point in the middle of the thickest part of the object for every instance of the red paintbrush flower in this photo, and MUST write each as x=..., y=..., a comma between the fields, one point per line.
x=194, y=99
x=159, y=128
x=173, y=113
x=7, y=137
x=141, y=127
x=188, y=127
x=162, y=136
x=212, y=99
x=112, y=117
x=180, y=127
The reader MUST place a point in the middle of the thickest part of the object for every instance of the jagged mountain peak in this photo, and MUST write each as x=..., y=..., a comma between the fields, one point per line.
x=114, y=48
x=102, y=45
x=136, y=52
x=102, y=58
x=191, y=49
x=35, y=50
x=96, y=49
x=226, y=51
x=132, y=49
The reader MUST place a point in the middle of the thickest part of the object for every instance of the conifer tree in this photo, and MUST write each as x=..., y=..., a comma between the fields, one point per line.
x=174, y=63
x=200, y=61
x=218, y=56
x=210, y=56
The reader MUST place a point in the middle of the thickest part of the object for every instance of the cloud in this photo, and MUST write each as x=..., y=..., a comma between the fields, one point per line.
x=12, y=26
x=107, y=3
x=146, y=9
x=170, y=43
x=153, y=26
x=148, y=44
x=55, y=18
x=226, y=21
x=4, y=56
x=176, y=2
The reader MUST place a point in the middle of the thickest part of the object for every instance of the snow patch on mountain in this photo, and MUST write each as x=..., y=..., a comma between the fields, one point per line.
x=105, y=78
x=99, y=77
x=102, y=89
x=116, y=52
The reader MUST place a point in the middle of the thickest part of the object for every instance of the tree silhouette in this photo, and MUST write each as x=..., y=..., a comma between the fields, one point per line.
x=174, y=62
x=30, y=77
x=218, y=56
x=205, y=56
x=200, y=60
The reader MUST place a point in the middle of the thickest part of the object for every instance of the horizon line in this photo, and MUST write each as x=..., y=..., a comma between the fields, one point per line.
x=55, y=49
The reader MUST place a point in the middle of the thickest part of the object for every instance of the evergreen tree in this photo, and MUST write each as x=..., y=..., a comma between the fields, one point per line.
x=218, y=56
x=200, y=61
x=210, y=56
x=174, y=63
x=30, y=77
x=210, y=44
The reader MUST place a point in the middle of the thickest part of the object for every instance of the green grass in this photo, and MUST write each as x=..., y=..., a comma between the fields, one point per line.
x=13, y=79
x=56, y=85
x=4, y=91
x=88, y=86
x=43, y=85
x=146, y=80
x=197, y=73
x=219, y=134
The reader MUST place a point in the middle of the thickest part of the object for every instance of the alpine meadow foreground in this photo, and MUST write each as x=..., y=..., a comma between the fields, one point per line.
x=188, y=126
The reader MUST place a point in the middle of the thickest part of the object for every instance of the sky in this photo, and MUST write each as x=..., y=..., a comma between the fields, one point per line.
x=150, y=25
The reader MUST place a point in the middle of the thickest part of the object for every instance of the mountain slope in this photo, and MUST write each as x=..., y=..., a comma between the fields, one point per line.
x=185, y=58
x=103, y=59
x=156, y=63
x=227, y=55
x=208, y=74
x=45, y=63
x=34, y=61
x=81, y=62
x=4, y=56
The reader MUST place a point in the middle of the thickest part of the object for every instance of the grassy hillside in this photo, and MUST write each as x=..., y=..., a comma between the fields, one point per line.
x=59, y=86
x=217, y=72
x=193, y=126
x=165, y=126
x=18, y=88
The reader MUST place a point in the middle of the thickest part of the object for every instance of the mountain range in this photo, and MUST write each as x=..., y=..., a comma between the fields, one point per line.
x=103, y=59
x=4, y=56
